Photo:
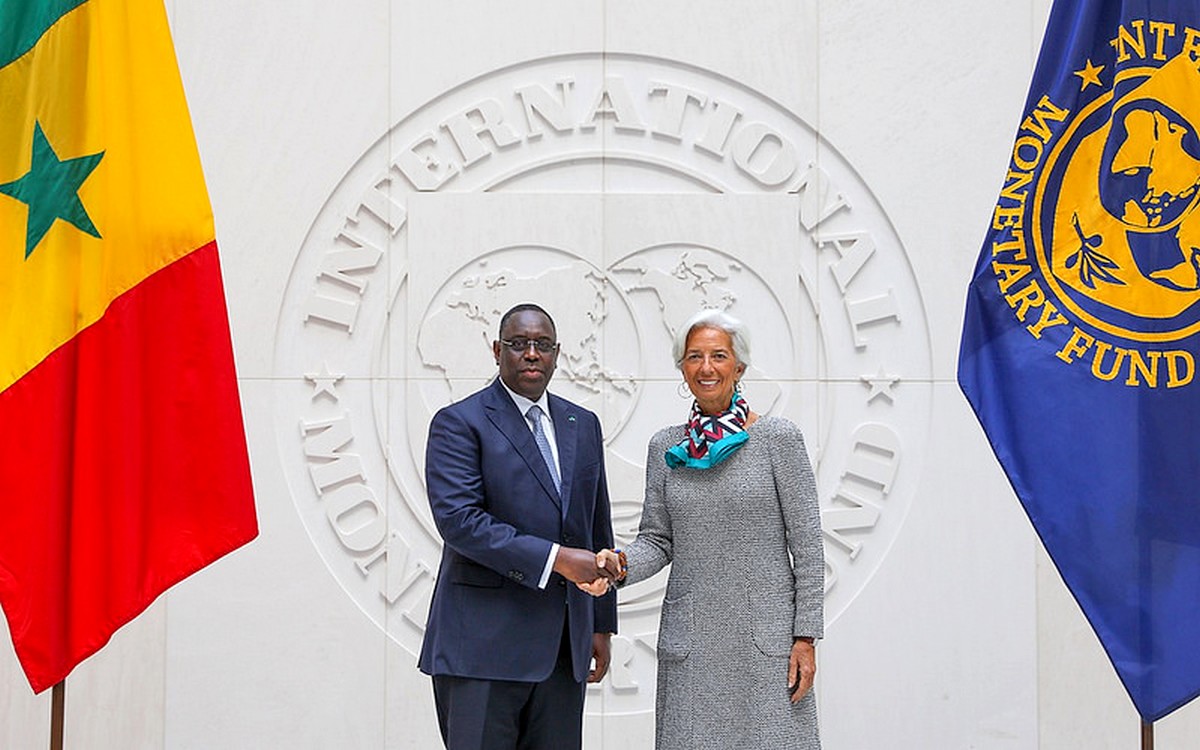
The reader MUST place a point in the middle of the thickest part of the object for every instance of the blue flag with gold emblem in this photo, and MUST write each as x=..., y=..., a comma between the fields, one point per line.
x=1082, y=329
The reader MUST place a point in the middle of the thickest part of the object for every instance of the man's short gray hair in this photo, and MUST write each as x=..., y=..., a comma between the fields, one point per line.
x=720, y=320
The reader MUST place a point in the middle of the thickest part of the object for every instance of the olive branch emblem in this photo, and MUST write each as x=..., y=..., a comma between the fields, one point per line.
x=1092, y=263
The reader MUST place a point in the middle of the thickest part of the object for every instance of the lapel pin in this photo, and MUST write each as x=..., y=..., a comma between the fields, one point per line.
x=571, y=418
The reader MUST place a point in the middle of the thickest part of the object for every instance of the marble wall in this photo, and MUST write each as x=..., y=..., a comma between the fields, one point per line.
x=385, y=174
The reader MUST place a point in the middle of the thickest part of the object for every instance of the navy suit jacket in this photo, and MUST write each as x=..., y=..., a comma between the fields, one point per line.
x=494, y=502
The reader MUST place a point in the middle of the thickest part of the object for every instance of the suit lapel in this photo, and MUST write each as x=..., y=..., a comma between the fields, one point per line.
x=511, y=423
x=566, y=436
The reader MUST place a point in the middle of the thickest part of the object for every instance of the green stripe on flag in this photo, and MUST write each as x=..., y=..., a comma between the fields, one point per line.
x=22, y=23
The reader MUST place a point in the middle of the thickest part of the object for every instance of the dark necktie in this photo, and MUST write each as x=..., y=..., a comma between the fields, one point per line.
x=534, y=415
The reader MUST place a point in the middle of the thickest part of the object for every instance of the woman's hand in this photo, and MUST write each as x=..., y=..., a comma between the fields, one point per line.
x=613, y=562
x=802, y=668
x=598, y=587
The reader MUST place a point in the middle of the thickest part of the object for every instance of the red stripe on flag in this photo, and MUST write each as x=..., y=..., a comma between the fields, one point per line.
x=124, y=467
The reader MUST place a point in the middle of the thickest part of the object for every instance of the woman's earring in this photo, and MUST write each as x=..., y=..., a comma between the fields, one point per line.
x=683, y=390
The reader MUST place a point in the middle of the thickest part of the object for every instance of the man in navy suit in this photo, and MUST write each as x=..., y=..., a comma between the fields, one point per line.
x=517, y=487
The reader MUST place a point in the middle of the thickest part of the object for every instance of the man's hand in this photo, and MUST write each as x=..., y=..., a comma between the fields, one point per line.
x=579, y=566
x=802, y=668
x=601, y=652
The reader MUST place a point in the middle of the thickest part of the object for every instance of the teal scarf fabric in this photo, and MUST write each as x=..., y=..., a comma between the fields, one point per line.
x=711, y=439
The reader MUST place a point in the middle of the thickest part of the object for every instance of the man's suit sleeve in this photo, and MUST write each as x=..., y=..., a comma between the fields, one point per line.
x=456, y=487
x=602, y=533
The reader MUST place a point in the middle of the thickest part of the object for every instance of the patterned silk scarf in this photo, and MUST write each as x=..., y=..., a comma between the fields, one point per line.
x=711, y=439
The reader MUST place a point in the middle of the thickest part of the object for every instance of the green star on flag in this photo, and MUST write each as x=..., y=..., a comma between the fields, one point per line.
x=51, y=189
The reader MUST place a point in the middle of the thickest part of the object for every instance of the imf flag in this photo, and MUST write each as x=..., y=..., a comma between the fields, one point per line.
x=1082, y=328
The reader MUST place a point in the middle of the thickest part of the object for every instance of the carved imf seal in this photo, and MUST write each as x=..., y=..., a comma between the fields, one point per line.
x=622, y=193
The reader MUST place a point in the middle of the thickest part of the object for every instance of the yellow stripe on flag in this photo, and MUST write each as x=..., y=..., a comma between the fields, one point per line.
x=101, y=83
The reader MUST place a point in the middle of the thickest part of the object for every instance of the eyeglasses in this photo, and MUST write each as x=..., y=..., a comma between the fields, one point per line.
x=520, y=345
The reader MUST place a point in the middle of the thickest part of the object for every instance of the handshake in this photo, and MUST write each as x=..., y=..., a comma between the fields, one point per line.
x=611, y=566
x=593, y=572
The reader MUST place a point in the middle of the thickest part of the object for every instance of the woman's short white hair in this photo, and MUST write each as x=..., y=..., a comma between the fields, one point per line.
x=722, y=321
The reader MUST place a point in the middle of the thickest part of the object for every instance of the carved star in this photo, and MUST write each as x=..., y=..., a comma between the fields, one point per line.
x=1089, y=75
x=324, y=381
x=881, y=384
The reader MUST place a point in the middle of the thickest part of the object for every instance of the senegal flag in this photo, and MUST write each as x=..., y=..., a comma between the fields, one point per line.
x=123, y=463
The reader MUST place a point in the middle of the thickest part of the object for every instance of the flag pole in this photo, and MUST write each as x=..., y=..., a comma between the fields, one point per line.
x=58, y=705
x=1147, y=735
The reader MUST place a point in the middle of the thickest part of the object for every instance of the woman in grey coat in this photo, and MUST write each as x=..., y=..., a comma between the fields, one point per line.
x=731, y=505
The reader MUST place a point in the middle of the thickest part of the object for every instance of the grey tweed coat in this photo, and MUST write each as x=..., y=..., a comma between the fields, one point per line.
x=747, y=574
